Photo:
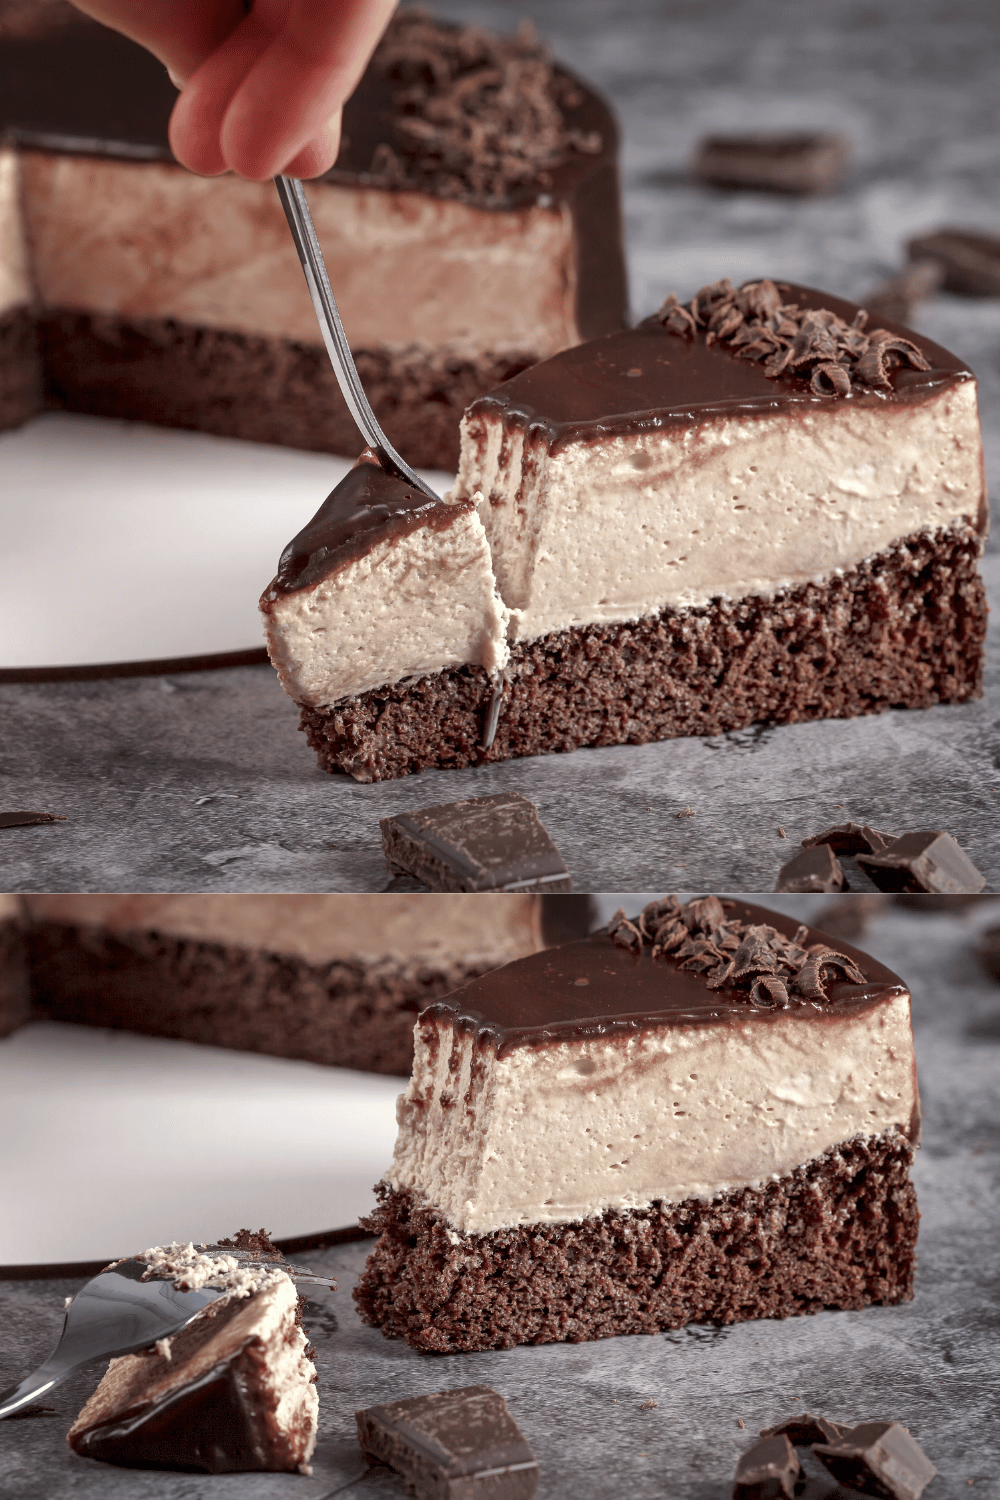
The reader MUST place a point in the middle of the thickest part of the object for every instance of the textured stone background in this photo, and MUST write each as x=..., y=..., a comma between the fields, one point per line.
x=201, y=782
x=931, y=1364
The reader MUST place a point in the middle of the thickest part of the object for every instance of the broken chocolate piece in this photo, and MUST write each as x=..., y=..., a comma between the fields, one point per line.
x=26, y=819
x=459, y=1443
x=768, y=1470
x=803, y=1431
x=878, y=1458
x=787, y=163
x=851, y=838
x=928, y=861
x=482, y=844
x=897, y=297
x=988, y=951
x=848, y=917
x=969, y=259
x=817, y=868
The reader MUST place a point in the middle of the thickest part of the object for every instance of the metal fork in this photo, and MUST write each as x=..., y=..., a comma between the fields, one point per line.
x=118, y=1312
x=300, y=221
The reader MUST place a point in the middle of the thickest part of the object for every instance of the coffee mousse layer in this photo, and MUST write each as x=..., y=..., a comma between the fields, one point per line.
x=329, y=979
x=165, y=297
x=648, y=1089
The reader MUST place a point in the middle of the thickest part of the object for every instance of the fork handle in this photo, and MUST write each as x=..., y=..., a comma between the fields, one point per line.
x=30, y=1389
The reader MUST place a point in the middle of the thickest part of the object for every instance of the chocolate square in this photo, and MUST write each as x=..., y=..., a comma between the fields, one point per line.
x=783, y=163
x=970, y=260
x=767, y=1471
x=878, y=1458
x=816, y=868
x=482, y=844
x=851, y=838
x=929, y=861
x=802, y=1431
x=451, y=1445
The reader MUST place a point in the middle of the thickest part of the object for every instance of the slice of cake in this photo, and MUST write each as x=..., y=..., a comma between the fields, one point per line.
x=750, y=509
x=384, y=584
x=233, y=1390
x=706, y=1114
x=331, y=979
x=471, y=225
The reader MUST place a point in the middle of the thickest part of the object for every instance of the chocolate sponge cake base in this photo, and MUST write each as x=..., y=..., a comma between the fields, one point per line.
x=338, y=1013
x=21, y=390
x=15, y=998
x=839, y=1232
x=905, y=629
x=265, y=389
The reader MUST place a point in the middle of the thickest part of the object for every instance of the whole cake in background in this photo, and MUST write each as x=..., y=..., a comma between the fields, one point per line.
x=329, y=979
x=757, y=507
x=704, y=1114
x=471, y=225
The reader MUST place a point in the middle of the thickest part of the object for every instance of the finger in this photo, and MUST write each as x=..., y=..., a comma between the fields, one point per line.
x=319, y=154
x=180, y=34
x=296, y=88
x=198, y=115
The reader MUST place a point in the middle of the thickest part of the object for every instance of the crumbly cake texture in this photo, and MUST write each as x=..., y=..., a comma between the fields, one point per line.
x=860, y=643
x=341, y=1013
x=839, y=1232
x=241, y=385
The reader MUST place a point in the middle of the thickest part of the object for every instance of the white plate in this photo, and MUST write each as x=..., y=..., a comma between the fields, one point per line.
x=123, y=542
x=113, y=1142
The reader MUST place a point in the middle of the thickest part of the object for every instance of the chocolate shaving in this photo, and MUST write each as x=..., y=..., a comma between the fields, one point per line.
x=480, y=114
x=771, y=970
x=817, y=345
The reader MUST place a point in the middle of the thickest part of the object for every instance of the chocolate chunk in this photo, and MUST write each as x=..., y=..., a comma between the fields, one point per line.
x=767, y=1470
x=459, y=1443
x=897, y=297
x=988, y=951
x=851, y=838
x=878, y=1458
x=930, y=861
x=26, y=819
x=791, y=163
x=483, y=844
x=803, y=1431
x=969, y=259
x=848, y=916
x=815, y=869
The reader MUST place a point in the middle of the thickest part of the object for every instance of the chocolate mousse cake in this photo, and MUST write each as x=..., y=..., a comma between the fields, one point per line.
x=15, y=994
x=330, y=979
x=234, y=1390
x=471, y=225
x=706, y=1114
x=749, y=509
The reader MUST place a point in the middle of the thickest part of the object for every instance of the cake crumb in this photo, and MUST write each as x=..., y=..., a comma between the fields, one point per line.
x=68, y=1300
x=686, y=812
x=740, y=1422
x=163, y=1349
x=647, y=1404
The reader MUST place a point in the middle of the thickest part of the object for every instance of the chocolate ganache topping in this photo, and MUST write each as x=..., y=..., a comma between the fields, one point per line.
x=649, y=379
x=708, y=962
x=368, y=506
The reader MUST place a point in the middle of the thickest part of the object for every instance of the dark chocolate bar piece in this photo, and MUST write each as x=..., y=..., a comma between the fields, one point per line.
x=483, y=844
x=814, y=869
x=848, y=917
x=802, y=1431
x=26, y=819
x=878, y=1458
x=928, y=861
x=768, y=1470
x=851, y=838
x=451, y=1445
x=792, y=163
x=970, y=259
x=897, y=297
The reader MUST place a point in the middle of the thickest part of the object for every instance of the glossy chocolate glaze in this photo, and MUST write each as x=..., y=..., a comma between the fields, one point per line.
x=218, y=1423
x=596, y=988
x=367, y=507
x=646, y=379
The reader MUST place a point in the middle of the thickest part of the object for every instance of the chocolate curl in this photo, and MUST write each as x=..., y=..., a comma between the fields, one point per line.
x=625, y=933
x=885, y=351
x=655, y=913
x=829, y=379
x=675, y=317
x=768, y=991
x=810, y=981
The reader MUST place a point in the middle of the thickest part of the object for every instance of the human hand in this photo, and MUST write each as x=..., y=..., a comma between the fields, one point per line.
x=260, y=93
